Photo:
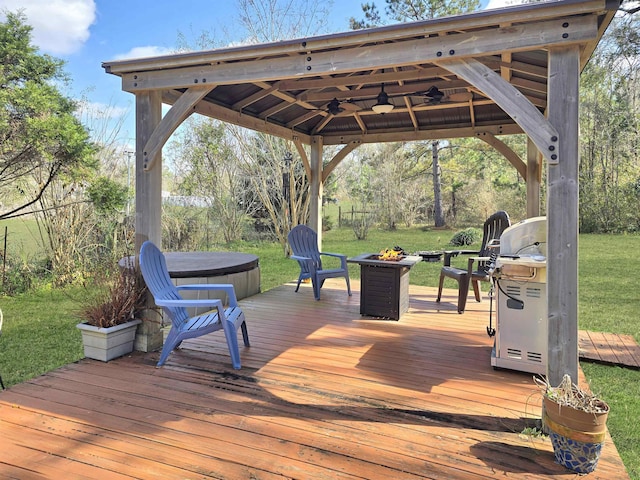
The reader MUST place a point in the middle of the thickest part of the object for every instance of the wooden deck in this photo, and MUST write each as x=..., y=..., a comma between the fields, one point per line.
x=609, y=348
x=323, y=394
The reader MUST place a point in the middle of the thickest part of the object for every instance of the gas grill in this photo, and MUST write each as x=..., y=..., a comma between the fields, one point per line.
x=520, y=286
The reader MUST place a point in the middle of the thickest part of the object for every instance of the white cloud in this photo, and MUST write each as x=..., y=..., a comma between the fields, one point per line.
x=140, y=52
x=97, y=110
x=502, y=3
x=60, y=27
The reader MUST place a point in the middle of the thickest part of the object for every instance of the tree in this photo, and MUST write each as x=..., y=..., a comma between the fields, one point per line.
x=411, y=10
x=210, y=170
x=262, y=159
x=610, y=132
x=275, y=20
x=276, y=178
x=40, y=138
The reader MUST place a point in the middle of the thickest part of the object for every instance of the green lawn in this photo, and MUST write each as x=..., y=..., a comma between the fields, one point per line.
x=22, y=237
x=39, y=332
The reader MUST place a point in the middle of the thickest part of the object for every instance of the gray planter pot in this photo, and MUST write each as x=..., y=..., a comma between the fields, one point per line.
x=108, y=343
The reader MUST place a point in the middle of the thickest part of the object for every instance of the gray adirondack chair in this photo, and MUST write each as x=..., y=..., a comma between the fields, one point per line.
x=304, y=245
x=154, y=270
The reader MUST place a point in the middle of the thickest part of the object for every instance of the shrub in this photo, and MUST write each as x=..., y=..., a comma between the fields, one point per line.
x=117, y=298
x=465, y=237
x=20, y=276
x=327, y=223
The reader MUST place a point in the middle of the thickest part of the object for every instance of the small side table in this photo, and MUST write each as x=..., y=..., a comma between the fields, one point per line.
x=384, y=285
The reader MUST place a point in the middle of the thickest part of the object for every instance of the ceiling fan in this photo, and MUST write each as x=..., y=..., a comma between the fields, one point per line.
x=335, y=106
x=382, y=105
x=432, y=96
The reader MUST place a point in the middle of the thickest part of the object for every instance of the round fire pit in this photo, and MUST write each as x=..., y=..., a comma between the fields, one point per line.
x=429, y=256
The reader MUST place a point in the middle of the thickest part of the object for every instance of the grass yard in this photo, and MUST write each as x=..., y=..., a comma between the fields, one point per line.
x=39, y=332
x=22, y=237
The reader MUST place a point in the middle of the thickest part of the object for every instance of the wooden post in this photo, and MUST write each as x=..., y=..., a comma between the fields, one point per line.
x=148, y=183
x=315, y=207
x=534, y=162
x=148, y=207
x=562, y=216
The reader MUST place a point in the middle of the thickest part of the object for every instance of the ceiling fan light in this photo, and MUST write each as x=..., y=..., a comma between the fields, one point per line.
x=382, y=105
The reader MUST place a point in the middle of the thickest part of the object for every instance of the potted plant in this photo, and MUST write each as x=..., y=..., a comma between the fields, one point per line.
x=109, y=315
x=576, y=422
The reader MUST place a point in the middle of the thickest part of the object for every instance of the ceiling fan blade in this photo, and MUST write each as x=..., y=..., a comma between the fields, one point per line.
x=459, y=97
x=350, y=106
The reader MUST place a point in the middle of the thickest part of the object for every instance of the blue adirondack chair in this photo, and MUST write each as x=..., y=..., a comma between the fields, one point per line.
x=304, y=244
x=154, y=270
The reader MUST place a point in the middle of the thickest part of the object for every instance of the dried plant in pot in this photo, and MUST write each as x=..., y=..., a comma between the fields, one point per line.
x=109, y=314
x=576, y=420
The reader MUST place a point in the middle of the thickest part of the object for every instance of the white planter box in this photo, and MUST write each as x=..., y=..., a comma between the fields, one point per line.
x=108, y=343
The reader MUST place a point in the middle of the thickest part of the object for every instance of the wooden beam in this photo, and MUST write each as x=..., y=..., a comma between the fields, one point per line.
x=422, y=74
x=560, y=31
x=303, y=156
x=402, y=135
x=562, y=217
x=534, y=176
x=238, y=118
x=315, y=189
x=512, y=101
x=506, y=151
x=259, y=95
x=307, y=116
x=148, y=219
x=180, y=110
x=346, y=150
x=529, y=69
x=478, y=20
x=322, y=123
x=148, y=181
x=360, y=122
x=521, y=83
x=514, y=38
x=505, y=72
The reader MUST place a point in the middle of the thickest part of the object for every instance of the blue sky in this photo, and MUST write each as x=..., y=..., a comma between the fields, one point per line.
x=85, y=33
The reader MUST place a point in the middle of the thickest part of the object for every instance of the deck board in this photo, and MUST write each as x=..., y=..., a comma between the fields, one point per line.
x=323, y=394
x=609, y=348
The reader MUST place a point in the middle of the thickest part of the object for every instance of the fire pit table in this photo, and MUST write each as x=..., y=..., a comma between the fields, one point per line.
x=384, y=285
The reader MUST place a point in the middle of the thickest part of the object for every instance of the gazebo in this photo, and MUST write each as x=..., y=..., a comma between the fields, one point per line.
x=485, y=74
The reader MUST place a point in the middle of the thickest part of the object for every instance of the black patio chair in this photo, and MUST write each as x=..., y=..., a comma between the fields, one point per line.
x=477, y=266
